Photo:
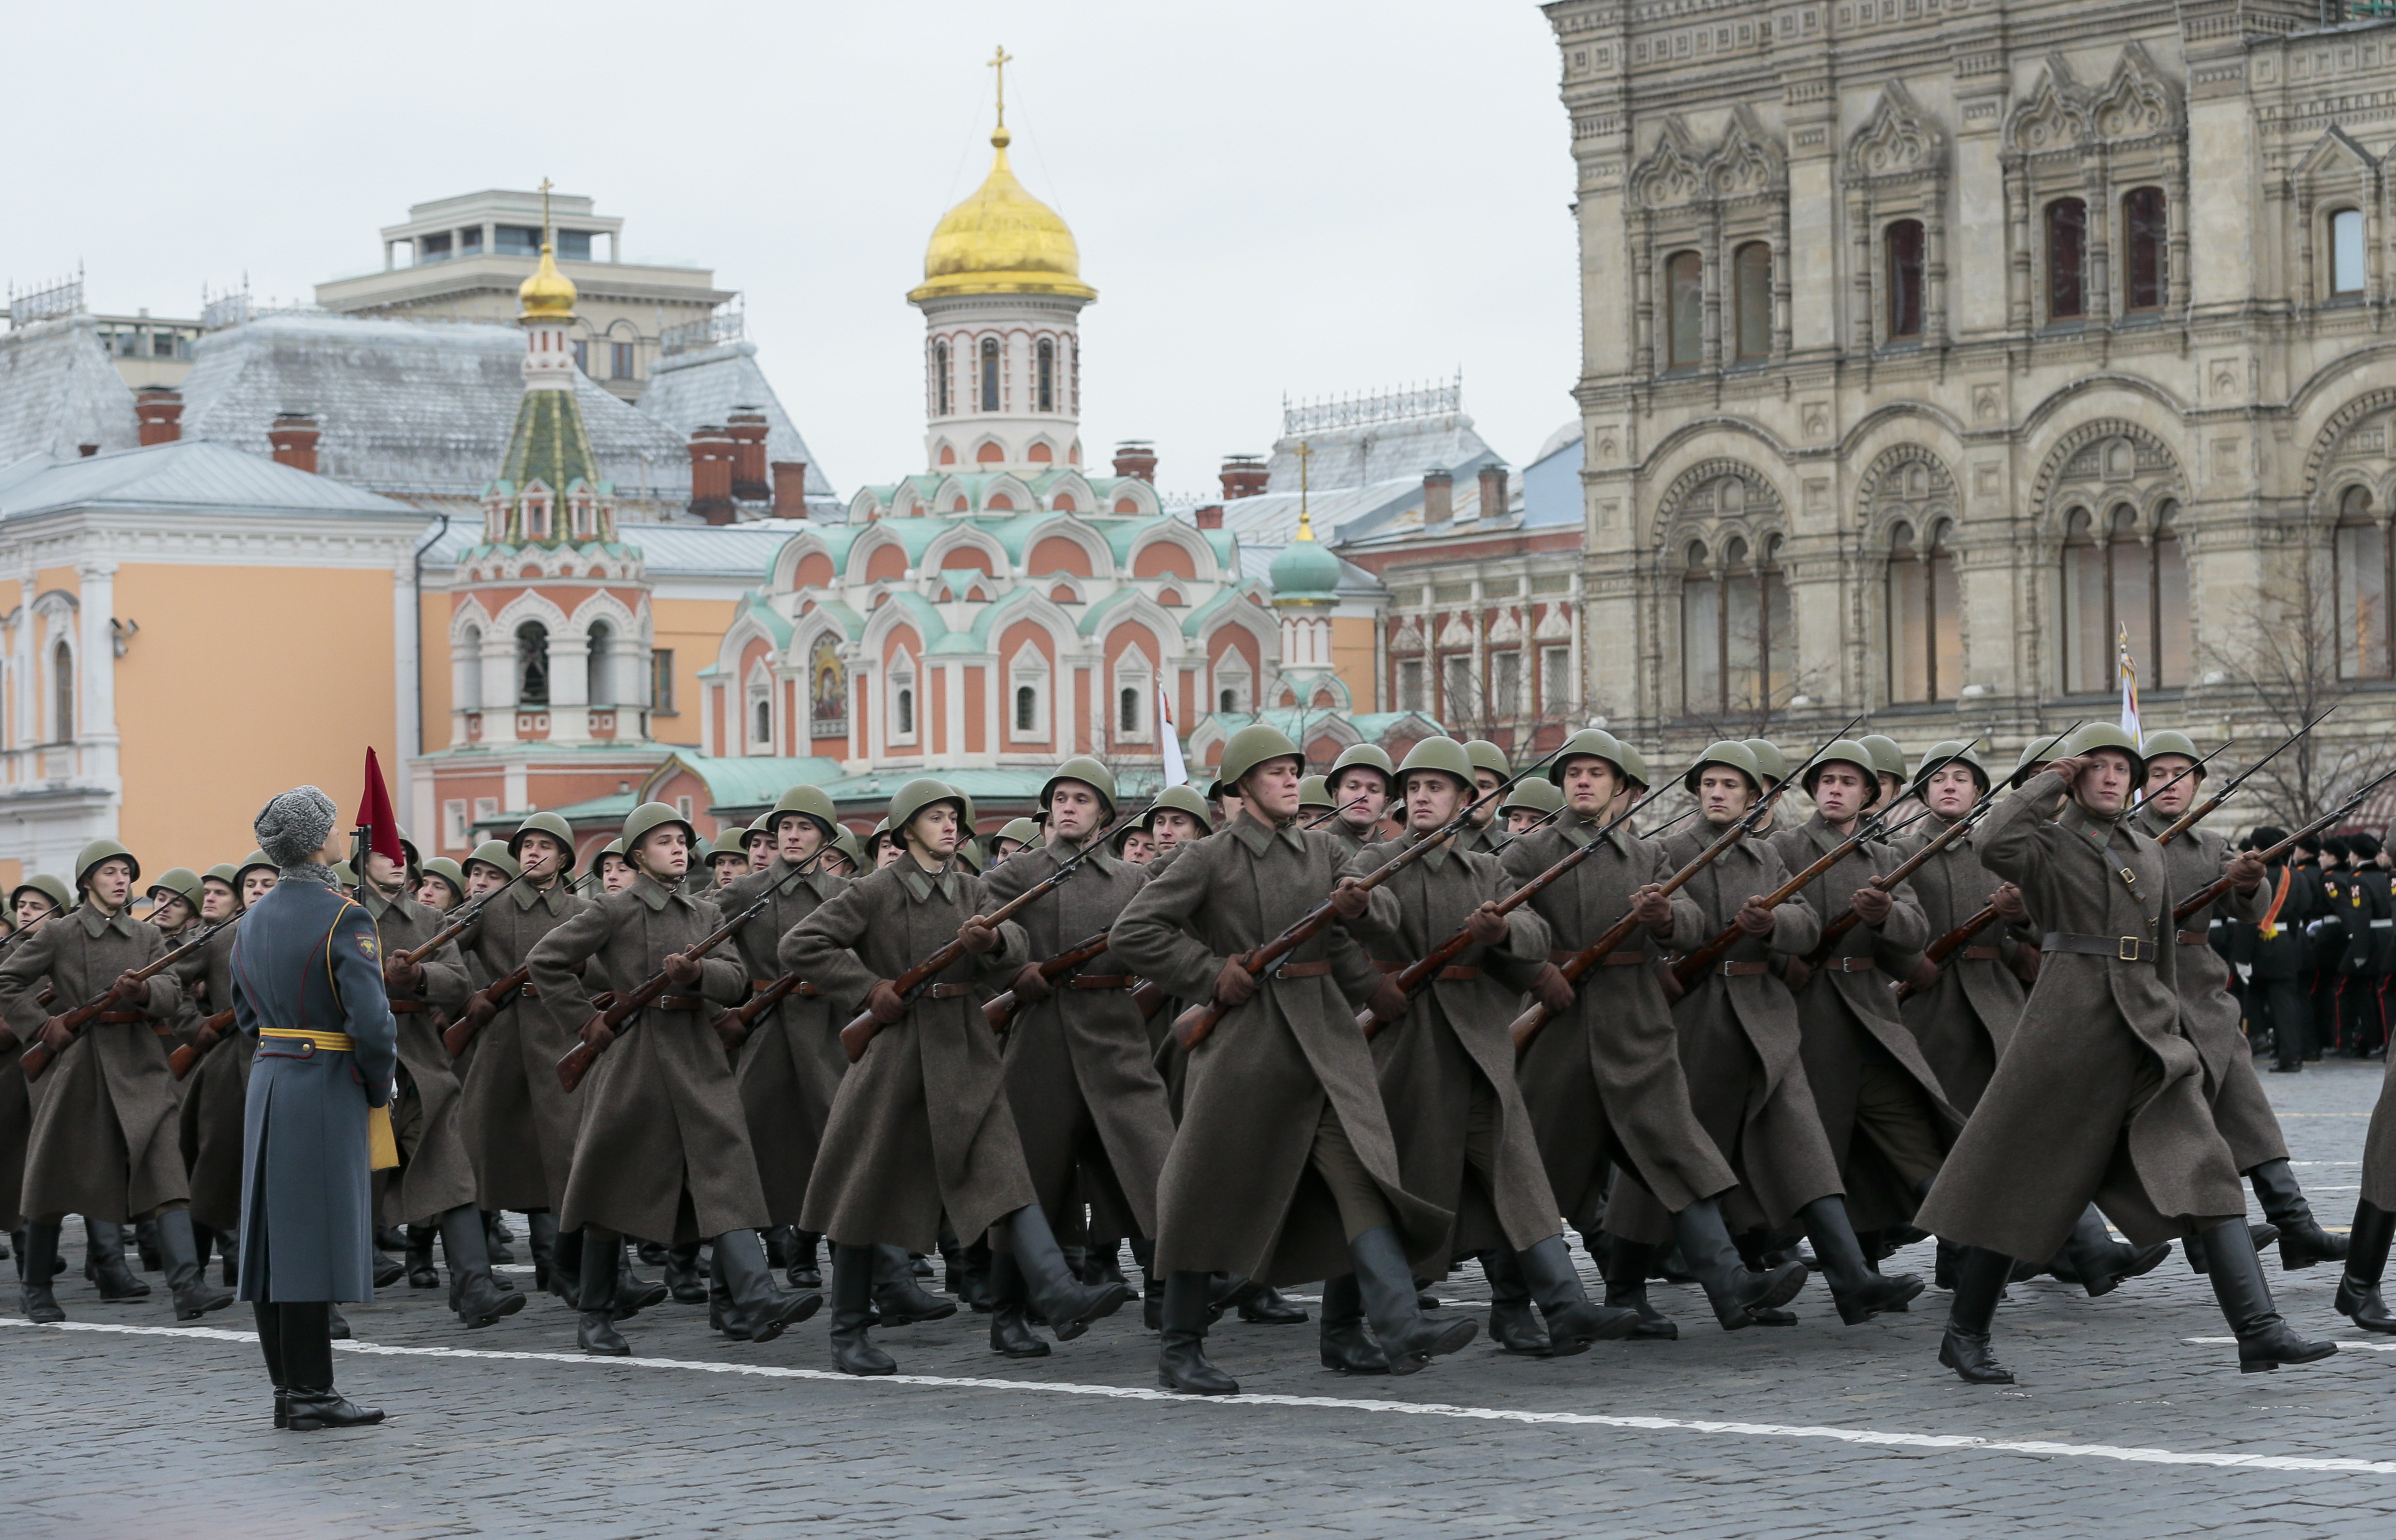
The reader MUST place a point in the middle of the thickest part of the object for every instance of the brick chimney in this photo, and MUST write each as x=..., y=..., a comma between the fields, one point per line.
x=1493, y=491
x=1439, y=497
x=87, y=450
x=747, y=426
x=1210, y=516
x=790, y=489
x=1244, y=476
x=160, y=408
x=711, y=449
x=294, y=436
x=1137, y=457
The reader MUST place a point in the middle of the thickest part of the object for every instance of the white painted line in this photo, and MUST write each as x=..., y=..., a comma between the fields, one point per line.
x=1957, y=1442
x=2343, y=1344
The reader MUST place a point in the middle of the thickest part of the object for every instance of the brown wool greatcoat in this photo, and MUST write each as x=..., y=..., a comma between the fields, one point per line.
x=1850, y=1018
x=217, y=1091
x=2196, y=861
x=104, y=1139
x=23, y=1018
x=1239, y=1194
x=1741, y=1049
x=1080, y=1077
x=1603, y=1082
x=661, y=1146
x=1455, y=1035
x=790, y=1064
x=920, y=1121
x=519, y=1123
x=2101, y=1095
x=1965, y=1021
x=435, y=1173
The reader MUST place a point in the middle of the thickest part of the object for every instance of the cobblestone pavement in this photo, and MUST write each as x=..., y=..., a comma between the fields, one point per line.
x=2121, y=1425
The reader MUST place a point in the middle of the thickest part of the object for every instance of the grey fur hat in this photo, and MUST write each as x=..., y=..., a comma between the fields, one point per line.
x=291, y=828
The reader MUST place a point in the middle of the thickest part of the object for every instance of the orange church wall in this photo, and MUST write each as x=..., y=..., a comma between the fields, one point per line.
x=694, y=629
x=977, y=710
x=1352, y=660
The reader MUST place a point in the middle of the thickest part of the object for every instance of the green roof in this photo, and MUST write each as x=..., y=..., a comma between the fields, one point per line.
x=548, y=443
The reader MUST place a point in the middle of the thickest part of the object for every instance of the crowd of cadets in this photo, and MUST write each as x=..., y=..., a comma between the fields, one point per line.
x=1751, y=1066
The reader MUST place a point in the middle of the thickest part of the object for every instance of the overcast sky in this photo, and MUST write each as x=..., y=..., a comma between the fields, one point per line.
x=1307, y=198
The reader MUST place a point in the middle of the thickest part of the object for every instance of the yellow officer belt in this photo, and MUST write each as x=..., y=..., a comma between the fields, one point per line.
x=331, y=1043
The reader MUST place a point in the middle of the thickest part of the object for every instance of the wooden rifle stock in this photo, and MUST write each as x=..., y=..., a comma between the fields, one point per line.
x=1947, y=945
x=1149, y=998
x=38, y=1058
x=999, y=1009
x=203, y=1042
x=2213, y=891
x=457, y=927
x=1886, y=881
x=482, y=1007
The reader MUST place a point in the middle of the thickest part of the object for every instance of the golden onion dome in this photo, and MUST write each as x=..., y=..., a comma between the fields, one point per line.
x=548, y=295
x=1002, y=241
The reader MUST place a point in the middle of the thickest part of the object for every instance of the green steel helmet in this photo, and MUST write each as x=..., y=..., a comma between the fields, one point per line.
x=182, y=881
x=923, y=792
x=1888, y=758
x=1844, y=751
x=48, y=887
x=728, y=850
x=613, y=848
x=225, y=873
x=967, y=817
x=448, y=871
x=846, y=843
x=1372, y=756
x=654, y=816
x=98, y=851
x=803, y=802
x=1487, y=755
x=754, y=833
x=1532, y=795
x=555, y=827
x=343, y=876
x=410, y=856
x=1315, y=791
x=256, y=859
x=1941, y=755
x=1769, y=760
x=1181, y=799
x=2169, y=742
x=1732, y=752
x=1444, y=756
x=1248, y=747
x=495, y=855
x=1021, y=830
x=2036, y=753
x=1090, y=773
x=1589, y=743
x=970, y=855
x=2105, y=734
x=1635, y=764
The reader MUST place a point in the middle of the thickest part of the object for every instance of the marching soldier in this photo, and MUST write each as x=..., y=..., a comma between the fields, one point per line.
x=442, y=884
x=1529, y=805
x=216, y=1089
x=1490, y=770
x=1771, y=767
x=729, y=862
x=1360, y=777
x=847, y=857
x=1888, y=765
x=31, y=905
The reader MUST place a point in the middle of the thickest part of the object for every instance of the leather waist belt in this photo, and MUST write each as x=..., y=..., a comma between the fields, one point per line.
x=2123, y=949
x=1983, y=954
x=759, y=986
x=114, y=1017
x=525, y=991
x=1304, y=970
x=408, y=1007
x=331, y=1043
x=1742, y=970
x=1850, y=966
x=2192, y=938
x=948, y=991
x=678, y=1003
x=1099, y=981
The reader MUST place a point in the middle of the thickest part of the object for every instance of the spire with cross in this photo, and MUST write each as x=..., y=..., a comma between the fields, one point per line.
x=999, y=60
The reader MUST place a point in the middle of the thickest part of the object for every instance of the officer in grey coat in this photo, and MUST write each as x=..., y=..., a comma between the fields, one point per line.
x=307, y=984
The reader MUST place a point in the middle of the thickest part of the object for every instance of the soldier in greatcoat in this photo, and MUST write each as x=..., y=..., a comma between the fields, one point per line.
x=2102, y=1093
x=1283, y=1167
x=33, y=903
x=1089, y=1107
x=921, y=1123
x=214, y=1092
x=104, y=1140
x=1361, y=788
x=1741, y=1048
x=1491, y=769
x=1603, y=1082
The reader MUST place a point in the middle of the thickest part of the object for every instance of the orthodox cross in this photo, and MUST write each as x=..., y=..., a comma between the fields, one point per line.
x=999, y=61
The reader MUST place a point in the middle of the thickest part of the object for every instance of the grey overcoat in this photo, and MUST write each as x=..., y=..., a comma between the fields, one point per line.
x=519, y=1121
x=1965, y=1021
x=217, y=1089
x=790, y=1064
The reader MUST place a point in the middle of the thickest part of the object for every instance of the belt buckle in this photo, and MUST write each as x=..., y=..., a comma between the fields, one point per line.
x=2128, y=951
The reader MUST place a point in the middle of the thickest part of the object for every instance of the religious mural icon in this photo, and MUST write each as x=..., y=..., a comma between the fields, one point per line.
x=827, y=691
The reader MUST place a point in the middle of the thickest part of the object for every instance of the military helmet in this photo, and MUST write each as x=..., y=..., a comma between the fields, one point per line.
x=1248, y=747
x=409, y=855
x=2169, y=742
x=1770, y=761
x=1844, y=751
x=1941, y=755
x=1369, y=756
x=875, y=840
x=344, y=875
x=1730, y=752
x=728, y=850
x=225, y=873
x=1180, y=798
x=802, y=801
x=1888, y=758
x=967, y=817
x=182, y=881
x=1090, y=773
x=1635, y=764
x=970, y=855
x=653, y=816
x=448, y=871
x=495, y=855
x=1589, y=743
x=1532, y=795
x=1487, y=755
x=98, y=851
x=254, y=859
x=613, y=848
x=1442, y=756
x=48, y=887
x=555, y=827
x=1315, y=791
x=753, y=833
x=923, y=792
x=1023, y=831
x=846, y=843
x=2105, y=734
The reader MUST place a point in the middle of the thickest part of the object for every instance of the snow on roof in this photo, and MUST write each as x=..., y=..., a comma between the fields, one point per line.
x=691, y=389
x=57, y=391
x=1372, y=452
x=186, y=474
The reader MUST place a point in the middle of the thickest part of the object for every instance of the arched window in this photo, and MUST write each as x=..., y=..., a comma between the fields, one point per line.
x=2067, y=260
x=1737, y=632
x=1904, y=246
x=2117, y=585
x=532, y=664
x=1027, y=709
x=1751, y=271
x=63, y=682
x=761, y=719
x=904, y=711
x=1227, y=702
x=940, y=401
x=1684, y=321
x=1048, y=380
x=2364, y=583
x=1128, y=710
x=2144, y=238
x=1926, y=638
x=990, y=374
x=599, y=666
x=466, y=669
x=2346, y=252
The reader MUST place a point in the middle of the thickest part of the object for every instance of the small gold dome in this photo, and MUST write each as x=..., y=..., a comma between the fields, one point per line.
x=548, y=293
x=1002, y=241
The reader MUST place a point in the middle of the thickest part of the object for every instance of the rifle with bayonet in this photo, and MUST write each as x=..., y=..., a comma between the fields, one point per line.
x=733, y=1025
x=1000, y=1009
x=1886, y=881
x=2200, y=811
x=38, y=1058
x=2212, y=891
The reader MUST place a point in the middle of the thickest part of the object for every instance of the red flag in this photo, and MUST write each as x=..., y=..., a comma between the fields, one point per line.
x=375, y=815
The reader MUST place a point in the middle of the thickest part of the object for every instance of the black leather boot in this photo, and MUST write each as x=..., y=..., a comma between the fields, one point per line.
x=854, y=1270
x=1388, y=1286
x=228, y=1248
x=337, y=1325
x=2098, y=1263
x=2265, y=1341
x=1151, y=1286
x=308, y=1359
x=270, y=1347
x=1064, y=1301
x=1346, y=1346
x=565, y=1267
x=1008, y=1334
x=1265, y=1306
x=420, y=1271
x=1181, y=1354
x=1515, y=1323
x=37, y=1247
x=762, y=1312
x=686, y=1282
x=540, y=1226
x=494, y=1241
x=474, y=1292
x=1980, y=1277
x=2366, y=1259
x=195, y=1295
x=897, y=1297
x=1860, y=1292
x=803, y=1272
x=634, y=1292
x=1572, y=1321
x=721, y=1316
x=1626, y=1268
x=602, y=1252
x=103, y=1263
x=1739, y=1296
x=2302, y=1241
x=146, y=1247
x=387, y=1269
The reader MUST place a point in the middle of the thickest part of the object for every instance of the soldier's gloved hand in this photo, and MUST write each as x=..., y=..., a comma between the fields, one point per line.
x=1924, y=976
x=400, y=974
x=1031, y=989
x=128, y=987
x=2008, y=902
x=597, y=1034
x=1350, y=899
x=479, y=1009
x=1654, y=907
x=1755, y=917
x=978, y=934
x=682, y=969
x=1234, y=985
x=54, y=1036
x=2245, y=872
x=886, y=1003
x=1553, y=989
x=2069, y=767
x=1872, y=905
x=1487, y=925
x=1389, y=1000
